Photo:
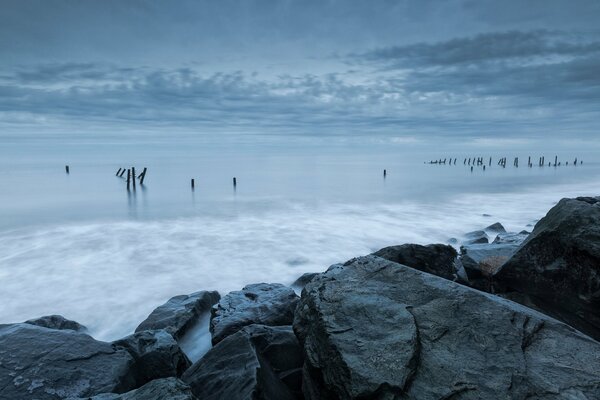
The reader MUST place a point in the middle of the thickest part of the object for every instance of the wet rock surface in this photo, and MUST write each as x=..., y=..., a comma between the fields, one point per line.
x=57, y=322
x=371, y=328
x=437, y=259
x=262, y=303
x=160, y=389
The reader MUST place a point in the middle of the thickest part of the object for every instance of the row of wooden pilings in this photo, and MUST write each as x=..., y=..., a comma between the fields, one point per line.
x=480, y=161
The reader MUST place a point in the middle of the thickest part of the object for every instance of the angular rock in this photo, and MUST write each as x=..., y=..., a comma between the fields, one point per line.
x=156, y=355
x=558, y=266
x=41, y=363
x=261, y=303
x=496, y=228
x=373, y=329
x=476, y=237
x=257, y=362
x=304, y=279
x=437, y=259
x=159, y=389
x=482, y=261
x=57, y=322
x=180, y=313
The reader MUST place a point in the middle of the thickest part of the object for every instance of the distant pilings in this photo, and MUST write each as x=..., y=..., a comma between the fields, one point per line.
x=67, y=169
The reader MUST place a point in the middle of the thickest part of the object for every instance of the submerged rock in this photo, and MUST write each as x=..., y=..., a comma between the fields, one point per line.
x=437, y=259
x=261, y=303
x=156, y=355
x=180, y=313
x=304, y=279
x=476, y=237
x=159, y=389
x=371, y=328
x=558, y=267
x=41, y=363
x=511, y=238
x=482, y=261
x=57, y=322
x=496, y=228
x=257, y=362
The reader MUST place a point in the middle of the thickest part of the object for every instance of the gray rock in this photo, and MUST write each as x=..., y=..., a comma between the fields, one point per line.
x=373, y=329
x=437, y=259
x=511, y=238
x=476, y=237
x=159, y=389
x=57, y=322
x=257, y=362
x=43, y=364
x=482, y=261
x=261, y=303
x=496, y=228
x=156, y=355
x=180, y=313
x=304, y=279
x=558, y=266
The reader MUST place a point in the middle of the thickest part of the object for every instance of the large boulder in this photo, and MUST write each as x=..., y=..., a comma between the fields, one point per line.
x=57, y=322
x=44, y=364
x=482, y=261
x=304, y=279
x=156, y=355
x=257, y=362
x=558, y=266
x=180, y=313
x=437, y=259
x=374, y=329
x=159, y=389
x=261, y=303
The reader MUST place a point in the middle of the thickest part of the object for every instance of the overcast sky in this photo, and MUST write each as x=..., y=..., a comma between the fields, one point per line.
x=407, y=70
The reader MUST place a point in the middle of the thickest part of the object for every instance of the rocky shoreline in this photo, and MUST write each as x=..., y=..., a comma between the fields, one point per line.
x=511, y=315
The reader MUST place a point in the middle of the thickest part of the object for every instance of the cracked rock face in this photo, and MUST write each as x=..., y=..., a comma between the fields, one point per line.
x=437, y=259
x=372, y=328
x=558, y=267
x=159, y=389
x=270, y=304
x=44, y=364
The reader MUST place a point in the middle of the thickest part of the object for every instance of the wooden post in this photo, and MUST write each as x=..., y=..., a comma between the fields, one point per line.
x=67, y=169
x=555, y=161
x=128, y=178
x=384, y=173
x=192, y=183
x=133, y=177
x=143, y=175
x=234, y=182
x=118, y=172
x=122, y=172
x=471, y=168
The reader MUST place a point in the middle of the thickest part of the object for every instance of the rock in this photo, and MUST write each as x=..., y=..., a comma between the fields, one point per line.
x=261, y=303
x=373, y=329
x=41, y=363
x=257, y=362
x=304, y=279
x=453, y=241
x=511, y=238
x=159, y=389
x=476, y=237
x=437, y=259
x=558, y=266
x=496, y=228
x=57, y=322
x=482, y=261
x=180, y=313
x=156, y=355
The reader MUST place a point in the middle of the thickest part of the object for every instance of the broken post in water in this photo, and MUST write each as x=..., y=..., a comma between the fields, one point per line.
x=67, y=169
x=192, y=183
x=128, y=178
x=133, y=176
x=118, y=172
x=384, y=173
x=234, y=182
x=143, y=175
x=122, y=172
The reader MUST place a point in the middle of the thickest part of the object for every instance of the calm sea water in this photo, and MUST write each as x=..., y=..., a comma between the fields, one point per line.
x=82, y=246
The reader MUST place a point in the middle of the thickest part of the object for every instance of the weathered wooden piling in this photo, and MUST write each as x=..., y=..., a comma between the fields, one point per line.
x=118, y=172
x=133, y=177
x=471, y=168
x=555, y=161
x=143, y=176
x=234, y=181
x=575, y=163
x=192, y=183
x=384, y=173
x=490, y=162
x=67, y=169
x=128, y=178
x=122, y=172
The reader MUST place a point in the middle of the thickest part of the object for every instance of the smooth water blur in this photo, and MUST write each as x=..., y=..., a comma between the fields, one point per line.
x=82, y=246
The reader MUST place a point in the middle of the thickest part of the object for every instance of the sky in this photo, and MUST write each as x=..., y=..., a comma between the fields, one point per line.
x=404, y=71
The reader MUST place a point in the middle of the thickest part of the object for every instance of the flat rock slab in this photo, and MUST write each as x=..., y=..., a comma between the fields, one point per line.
x=257, y=362
x=159, y=389
x=372, y=328
x=41, y=363
x=261, y=303
x=57, y=322
x=437, y=259
x=558, y=266
x=180, y=313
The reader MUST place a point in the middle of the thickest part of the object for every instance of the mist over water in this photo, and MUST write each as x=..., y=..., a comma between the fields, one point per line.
x=80, y=245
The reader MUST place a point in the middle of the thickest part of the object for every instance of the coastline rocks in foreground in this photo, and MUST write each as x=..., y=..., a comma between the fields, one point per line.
x=476, y=237
x=156, y=355
x=371, y=328
x=482, y=261
x=261, y=303
x=304, y=279
x=159, y=389
x=180, y=313
x=257, y=362
x=57, y=322
x=558, y=267
x=437, y=259
x=41, y=363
